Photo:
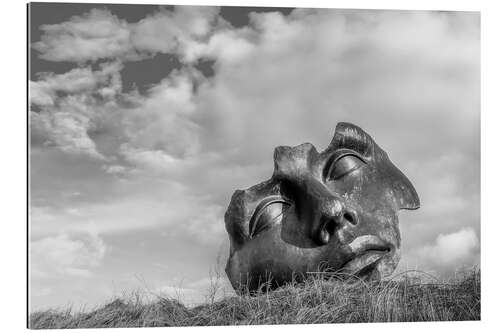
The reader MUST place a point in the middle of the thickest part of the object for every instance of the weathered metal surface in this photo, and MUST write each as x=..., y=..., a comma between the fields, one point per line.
x=333, y=210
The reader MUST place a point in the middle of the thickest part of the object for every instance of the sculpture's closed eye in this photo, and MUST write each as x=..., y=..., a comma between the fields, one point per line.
x=344, y=165
x=267, y=213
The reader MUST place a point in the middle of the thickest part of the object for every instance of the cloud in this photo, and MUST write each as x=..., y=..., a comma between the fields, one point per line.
x=116, y=169
x=69, y=107
x=45, y=91
x=66, y=130
x=172, y=31
x=76, y=81
x=66, y=256
x=320, y=67
x=155, y=161
x=99, y=34
x=451, y=250
x=147, y=206
x=161, y=121
x=358, y=75
x=40, y=292
x=94, y=35
x=81, y=101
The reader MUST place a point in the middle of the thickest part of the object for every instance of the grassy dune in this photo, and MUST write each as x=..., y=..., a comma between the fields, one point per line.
x=318, y=300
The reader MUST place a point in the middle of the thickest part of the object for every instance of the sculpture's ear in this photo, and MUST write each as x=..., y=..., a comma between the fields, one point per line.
x=405, y=193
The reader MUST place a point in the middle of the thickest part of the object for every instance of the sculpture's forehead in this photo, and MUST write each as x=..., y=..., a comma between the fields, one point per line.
x=349, y=136
x=304, y=159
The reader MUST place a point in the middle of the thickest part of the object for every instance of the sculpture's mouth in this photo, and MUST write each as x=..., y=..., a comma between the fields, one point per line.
x=366, y=252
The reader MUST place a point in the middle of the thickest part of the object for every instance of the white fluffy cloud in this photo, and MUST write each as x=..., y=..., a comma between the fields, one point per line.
x=162, y=120
x=173, y=31
x=65, y=256
x=43, y=92
x=94, y=35
x=67, y=130
x=99, y=34
x=451, y=250
x=170, y=204
x=65, y=120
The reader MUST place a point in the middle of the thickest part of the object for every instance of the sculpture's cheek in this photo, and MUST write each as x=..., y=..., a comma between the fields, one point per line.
x=384, y=224
x=295, y=232
x=267, y=255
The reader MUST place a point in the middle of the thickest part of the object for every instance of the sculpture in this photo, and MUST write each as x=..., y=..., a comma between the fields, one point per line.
x=335, y=210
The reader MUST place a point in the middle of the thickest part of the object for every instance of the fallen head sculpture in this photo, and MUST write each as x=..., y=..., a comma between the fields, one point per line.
x=335, y=210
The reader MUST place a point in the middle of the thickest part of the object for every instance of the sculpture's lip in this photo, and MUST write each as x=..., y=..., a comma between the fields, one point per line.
x=363, y=263
x=365, y=243
x=365, y=253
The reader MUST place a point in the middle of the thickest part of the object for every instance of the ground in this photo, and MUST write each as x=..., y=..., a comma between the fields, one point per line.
x=320, y=299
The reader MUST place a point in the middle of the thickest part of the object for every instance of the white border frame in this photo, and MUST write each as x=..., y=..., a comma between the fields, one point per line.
x=14, y=167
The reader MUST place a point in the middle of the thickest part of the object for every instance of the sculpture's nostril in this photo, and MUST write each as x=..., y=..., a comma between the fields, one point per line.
x=351, y=218
x=326, y=231
x=324, y=236
x=331, y=226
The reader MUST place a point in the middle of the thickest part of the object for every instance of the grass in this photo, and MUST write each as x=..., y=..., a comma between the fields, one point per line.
x=319, y=299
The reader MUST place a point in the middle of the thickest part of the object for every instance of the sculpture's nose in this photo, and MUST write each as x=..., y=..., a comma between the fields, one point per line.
x=326, y=212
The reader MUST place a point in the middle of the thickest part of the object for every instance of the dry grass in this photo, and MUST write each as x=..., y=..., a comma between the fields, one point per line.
x=318, y=300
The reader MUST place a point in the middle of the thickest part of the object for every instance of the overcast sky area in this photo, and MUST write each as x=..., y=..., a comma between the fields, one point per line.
x=145, y=119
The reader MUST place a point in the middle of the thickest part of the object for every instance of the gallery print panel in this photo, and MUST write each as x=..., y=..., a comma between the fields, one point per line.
x=201, y=166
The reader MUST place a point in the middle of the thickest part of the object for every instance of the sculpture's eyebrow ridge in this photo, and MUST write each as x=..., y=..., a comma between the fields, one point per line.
x=352, y=137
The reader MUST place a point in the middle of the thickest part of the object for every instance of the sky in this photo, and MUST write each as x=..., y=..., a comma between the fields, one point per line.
x=145, y=119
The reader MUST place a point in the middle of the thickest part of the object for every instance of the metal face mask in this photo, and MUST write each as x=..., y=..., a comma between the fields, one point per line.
x=333, y=210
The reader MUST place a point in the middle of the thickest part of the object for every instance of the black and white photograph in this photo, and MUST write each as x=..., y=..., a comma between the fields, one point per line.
x=202, y=165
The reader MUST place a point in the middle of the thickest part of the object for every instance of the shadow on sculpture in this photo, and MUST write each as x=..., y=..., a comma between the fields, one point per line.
x=330, y=211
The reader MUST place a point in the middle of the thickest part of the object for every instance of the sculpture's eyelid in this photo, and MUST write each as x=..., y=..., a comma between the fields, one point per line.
x=262, y=206
x=268, y=201
x=347, y=153
x=337, y=156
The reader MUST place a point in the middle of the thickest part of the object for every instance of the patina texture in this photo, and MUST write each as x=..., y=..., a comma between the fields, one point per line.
x=333, y=210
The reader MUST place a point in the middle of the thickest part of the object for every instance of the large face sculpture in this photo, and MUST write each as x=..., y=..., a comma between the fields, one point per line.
x=334, y=210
